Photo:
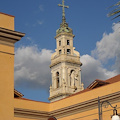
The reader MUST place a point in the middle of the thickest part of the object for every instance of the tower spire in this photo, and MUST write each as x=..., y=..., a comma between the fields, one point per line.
x=63, y=26
x=63, y=11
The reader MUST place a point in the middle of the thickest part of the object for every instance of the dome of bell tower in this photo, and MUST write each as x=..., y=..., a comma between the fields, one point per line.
x=64, y=28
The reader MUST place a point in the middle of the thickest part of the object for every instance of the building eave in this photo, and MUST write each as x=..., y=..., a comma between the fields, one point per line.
x=17, y=94
x=9, y=36
x=64, y=33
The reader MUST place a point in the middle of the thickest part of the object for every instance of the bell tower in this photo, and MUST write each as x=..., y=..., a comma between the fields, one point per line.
x=65, y=63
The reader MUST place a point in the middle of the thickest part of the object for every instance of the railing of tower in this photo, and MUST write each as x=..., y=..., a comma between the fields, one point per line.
x=56, y=91
x=68, y=58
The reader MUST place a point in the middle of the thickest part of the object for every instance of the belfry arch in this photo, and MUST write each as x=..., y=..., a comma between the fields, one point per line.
x=57, y=80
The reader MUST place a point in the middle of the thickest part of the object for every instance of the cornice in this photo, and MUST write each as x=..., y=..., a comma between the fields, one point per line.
x=7, y=14
x=7, y=53
x=18, y=94
x=85, y=106
x=9, y=37
x=16, y=33
x=34, y=114
x=64, y=33
x=58, y=95
x=67, y=111
x=68, y=61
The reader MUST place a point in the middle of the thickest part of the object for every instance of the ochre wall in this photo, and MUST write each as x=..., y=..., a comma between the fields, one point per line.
x=92, y=114
x=6, y=21
x=89, y=113
x=37, y=110
x=31, y=105
x=8, y=37
x=6, y=82
x=101, y=91
x=16, y=118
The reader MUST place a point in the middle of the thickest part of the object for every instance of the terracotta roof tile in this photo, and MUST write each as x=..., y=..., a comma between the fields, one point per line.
x=114, y=79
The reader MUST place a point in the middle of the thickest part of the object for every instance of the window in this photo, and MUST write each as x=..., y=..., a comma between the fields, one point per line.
x=72, y=78
x=68, y=42
x=59, y=43
x=60, y=51
x=68, y=51
x=57, y=80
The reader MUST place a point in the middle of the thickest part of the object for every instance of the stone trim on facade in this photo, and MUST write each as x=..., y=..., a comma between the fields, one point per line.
x=9, y=37
x=32, y=114
x=68, y=111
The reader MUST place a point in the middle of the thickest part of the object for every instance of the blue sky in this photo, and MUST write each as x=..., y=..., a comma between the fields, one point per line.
x=40, y=19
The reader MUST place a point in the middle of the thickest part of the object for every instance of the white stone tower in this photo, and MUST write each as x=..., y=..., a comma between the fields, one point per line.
x=65, y=64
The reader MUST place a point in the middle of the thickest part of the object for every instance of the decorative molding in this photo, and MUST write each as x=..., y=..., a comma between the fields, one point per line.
x=7, y=53
x=31, y=114
x=7, y=14
x=59, y=95
x=4, y=41
x=64, y=33
x=70, y=110
x=17, y=94
x=9, y=37
x=67, y=61
x=85, y=106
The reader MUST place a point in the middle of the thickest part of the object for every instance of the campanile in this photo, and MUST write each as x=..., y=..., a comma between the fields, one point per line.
x=65, y=63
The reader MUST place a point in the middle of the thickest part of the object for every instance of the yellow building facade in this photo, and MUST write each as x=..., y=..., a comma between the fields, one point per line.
x=82, y=105
x=7, y=39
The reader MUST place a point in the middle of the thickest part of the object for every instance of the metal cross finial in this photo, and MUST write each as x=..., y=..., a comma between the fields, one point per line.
x=63, y=13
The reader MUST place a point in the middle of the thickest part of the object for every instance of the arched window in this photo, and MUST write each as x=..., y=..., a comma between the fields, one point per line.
x=59, y=43
x=68, y=51
x=57, y=80
x=60, y=51
x=68, y=42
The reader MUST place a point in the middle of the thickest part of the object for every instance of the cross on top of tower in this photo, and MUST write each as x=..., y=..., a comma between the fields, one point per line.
x=63, y=11
x=63, y=26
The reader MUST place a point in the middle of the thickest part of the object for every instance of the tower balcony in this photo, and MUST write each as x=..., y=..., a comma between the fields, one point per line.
x=59, y=93
x=65, y=58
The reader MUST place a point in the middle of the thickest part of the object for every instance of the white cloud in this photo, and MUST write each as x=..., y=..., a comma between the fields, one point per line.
x=92, y=69
x=109, y=46
x=32, y=64
x=28, y=38
x=106, y=49
x=41, y=8
x=32, y=67
x=40, y=22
